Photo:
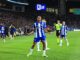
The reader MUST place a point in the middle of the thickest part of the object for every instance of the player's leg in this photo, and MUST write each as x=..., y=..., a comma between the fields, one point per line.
x=38, y=46
x=44, y=47
x=58, y=36
x=57, y=39
x=31, y=49
x=67, y=42
x=13, y=35
x=61, y=38
x=10, y=35
x=34, y=43
x=3, y=37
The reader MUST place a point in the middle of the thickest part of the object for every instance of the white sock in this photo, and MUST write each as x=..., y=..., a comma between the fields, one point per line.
x=60, y=42
x=67, y=42
x=11, y=37
x=46, y=44
x=38, y=46
x=44, y=52
x=4, y=40
x=31, y=51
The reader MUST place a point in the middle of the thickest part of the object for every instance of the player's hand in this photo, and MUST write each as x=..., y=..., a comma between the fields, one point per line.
x=46, y=30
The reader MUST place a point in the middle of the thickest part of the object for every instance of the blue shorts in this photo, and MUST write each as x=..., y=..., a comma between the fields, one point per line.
x=63, y=36
x=3, y=35
x=39, y=39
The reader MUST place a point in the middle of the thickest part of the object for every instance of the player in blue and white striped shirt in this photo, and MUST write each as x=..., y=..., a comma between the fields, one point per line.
x=38, y=44
x=63, y=33
x=39, y=33
x=2, y=31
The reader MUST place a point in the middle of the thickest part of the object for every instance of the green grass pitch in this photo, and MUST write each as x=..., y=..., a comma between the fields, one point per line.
x=18, y=48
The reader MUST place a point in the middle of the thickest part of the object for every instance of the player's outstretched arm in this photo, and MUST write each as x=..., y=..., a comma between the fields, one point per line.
x=45, y=29
x=31, y=32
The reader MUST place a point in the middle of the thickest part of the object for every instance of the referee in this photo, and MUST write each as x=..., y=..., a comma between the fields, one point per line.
x=58, y=27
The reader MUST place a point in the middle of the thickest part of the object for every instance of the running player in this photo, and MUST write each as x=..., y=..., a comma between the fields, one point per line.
x=58, y=27
x=63, y=33
x=39, y=31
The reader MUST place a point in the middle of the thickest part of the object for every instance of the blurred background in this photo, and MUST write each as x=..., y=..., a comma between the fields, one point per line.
x=22, y=13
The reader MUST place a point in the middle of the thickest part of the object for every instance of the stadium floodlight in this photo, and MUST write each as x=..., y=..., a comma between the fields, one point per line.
x=18, y=2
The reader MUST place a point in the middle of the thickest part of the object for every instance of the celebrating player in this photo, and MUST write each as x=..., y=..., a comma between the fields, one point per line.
x=58, y=27
x=39, y=31
x=63, y=33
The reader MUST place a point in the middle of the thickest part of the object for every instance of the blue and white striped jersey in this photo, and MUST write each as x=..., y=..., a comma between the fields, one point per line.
x=2, y=29
x=63, y=30
x=39, y=28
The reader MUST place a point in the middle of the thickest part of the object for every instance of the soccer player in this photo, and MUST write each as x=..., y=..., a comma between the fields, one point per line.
x=12, y=31
x=38, y=44
x=3, y=32
x=63, y=33
x=39, y=31
x=58, y=27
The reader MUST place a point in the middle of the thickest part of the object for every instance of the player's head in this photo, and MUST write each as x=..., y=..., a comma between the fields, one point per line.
x=63, y=23
x=58, y=22
x=39, y=18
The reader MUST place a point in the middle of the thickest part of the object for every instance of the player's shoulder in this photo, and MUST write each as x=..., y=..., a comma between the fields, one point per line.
x=43, y=22
x=35, y=23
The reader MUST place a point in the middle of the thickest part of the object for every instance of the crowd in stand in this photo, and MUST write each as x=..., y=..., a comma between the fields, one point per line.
x=73, y=21
x=24, y=23
x=18, y=20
